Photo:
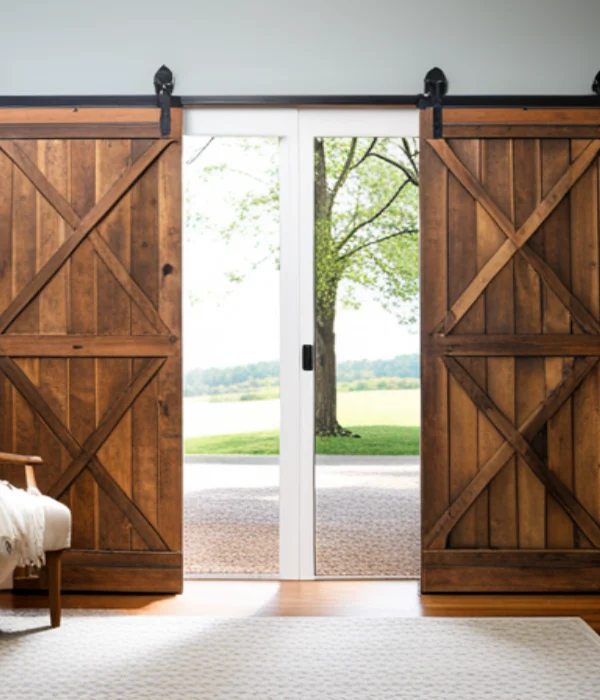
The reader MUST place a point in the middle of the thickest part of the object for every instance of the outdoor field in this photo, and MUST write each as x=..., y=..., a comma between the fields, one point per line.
x=387, y=422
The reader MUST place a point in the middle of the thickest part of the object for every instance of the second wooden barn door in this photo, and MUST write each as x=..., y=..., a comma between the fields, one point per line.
x=511, y=345
x=90, y=325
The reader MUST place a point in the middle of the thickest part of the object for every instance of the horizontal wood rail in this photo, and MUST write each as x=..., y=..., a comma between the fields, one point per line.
x=515, y=345
x=118, y=571
x=88, y=346
x=159, y=560
x=512, y=557
x=84, y=122
x=512, y=116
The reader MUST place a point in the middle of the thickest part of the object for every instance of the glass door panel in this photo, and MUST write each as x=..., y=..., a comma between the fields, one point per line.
x=366, y=392
x=231, y=355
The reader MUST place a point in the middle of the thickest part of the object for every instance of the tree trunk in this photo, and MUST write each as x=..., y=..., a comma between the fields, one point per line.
x=327, y=281
x=326, y=424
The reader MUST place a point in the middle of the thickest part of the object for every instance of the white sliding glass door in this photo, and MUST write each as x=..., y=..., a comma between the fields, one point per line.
x=359, y=282
x=242, y=337
x=272, y=264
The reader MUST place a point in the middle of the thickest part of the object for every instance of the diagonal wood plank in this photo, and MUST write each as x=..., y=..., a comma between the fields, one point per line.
x=436, y=537
x=577, y=310
x=40, y=182
x=555, y=486
x=471, y=184
x=31, y=394
x=126, y=505
x=126, y=281
x=516, y=239
x=108, y=423
x=83, y=228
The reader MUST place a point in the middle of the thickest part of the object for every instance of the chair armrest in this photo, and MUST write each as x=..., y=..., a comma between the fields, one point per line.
x=8, y=458
x=28, y=461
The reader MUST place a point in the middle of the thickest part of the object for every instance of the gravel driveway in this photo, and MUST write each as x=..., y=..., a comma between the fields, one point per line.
x=367, y=516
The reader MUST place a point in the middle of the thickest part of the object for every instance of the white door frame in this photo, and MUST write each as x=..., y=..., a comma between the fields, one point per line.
x=297, y=129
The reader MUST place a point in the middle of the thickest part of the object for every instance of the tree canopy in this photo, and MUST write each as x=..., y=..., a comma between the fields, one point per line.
x=366, y=218
x=365, y=234
x=366, y=222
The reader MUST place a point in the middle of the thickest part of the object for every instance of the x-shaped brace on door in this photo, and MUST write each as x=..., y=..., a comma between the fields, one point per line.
x=517, y=238
x=85, y=455
x=82, y=229
x=517, y=440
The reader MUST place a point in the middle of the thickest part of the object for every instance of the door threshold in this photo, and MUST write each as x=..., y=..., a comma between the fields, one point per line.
x=231, y=577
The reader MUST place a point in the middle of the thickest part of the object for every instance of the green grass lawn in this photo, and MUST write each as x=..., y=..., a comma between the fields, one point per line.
x=374, y=440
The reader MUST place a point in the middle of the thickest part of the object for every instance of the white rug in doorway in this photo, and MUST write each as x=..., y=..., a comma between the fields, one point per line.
x=126, y=656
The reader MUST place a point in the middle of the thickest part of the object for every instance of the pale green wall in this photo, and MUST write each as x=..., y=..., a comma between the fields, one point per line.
x=298, y=46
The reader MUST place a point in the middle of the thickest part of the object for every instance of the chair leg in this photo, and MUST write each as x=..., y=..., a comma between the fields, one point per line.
x=54, y=582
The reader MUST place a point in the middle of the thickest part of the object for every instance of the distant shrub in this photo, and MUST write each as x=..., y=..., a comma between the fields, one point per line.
x=261, y=379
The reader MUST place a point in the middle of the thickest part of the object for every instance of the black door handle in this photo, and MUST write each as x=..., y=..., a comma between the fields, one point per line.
x=307, y=358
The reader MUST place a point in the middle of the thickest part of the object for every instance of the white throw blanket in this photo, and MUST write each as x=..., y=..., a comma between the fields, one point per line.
x=22, y=524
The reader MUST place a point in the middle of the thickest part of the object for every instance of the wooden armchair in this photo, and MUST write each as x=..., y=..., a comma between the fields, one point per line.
x=57, y=533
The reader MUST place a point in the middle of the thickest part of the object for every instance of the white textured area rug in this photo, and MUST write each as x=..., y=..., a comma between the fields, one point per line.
x=121, y=656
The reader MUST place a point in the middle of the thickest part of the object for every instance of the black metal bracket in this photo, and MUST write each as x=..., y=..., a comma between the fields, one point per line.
x=163, y=86
x=436, y=88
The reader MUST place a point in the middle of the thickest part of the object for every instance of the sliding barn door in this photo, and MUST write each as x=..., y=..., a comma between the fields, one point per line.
x=511, y=343
x=90, y=327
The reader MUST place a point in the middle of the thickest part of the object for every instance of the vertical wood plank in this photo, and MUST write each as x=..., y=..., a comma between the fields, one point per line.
x=144, y=270
x=83, y=311
x=114, y=313
x=84, y=492
x=7, y=472
x=144, y=238
x=114, y=318
x=435, y=484
x=82, y=372
x=584, y=271
x=472, y=530
x=530, y=372
x=6, y=213
x=53, y=385
x=169, y=304
x=560, y=533
x=26, y=425
x=54, y=163
x=24, y=241
x=497, y=176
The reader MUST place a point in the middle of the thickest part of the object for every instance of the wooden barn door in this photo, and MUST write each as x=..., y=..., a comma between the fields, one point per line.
x=90, y=327
x=510, y=267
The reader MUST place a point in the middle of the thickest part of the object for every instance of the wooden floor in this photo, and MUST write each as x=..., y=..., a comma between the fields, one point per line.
x=332, y=598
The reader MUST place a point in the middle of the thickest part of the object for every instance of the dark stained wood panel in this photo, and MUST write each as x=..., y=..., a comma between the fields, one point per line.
x=516, y=331
x=90, y=327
